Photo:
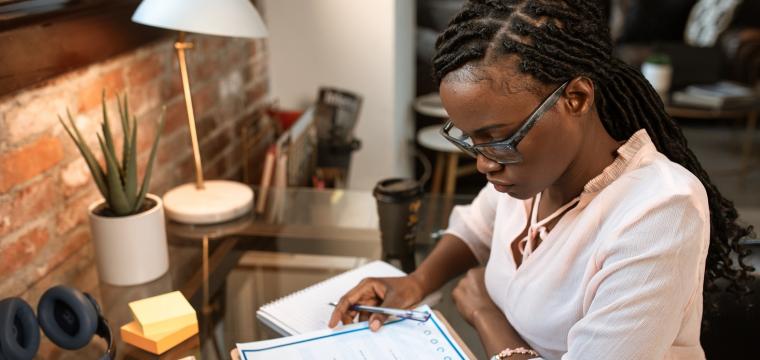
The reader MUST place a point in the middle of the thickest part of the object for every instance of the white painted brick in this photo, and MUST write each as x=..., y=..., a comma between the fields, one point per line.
x=75, y=174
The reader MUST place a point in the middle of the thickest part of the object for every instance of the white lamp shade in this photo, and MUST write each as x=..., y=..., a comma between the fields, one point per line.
x=235, y=18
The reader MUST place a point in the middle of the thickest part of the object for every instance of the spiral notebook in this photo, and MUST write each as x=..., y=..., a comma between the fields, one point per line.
x=308, y=309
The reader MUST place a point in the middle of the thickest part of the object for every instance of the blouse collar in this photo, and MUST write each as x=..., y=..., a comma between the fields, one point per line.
x=626, y=153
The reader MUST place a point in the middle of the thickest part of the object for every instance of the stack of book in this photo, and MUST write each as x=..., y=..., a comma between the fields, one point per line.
x=720, y=95
x=160, y=322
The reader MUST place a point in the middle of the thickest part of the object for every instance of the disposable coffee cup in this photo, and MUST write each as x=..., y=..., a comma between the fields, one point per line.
x=398, y=206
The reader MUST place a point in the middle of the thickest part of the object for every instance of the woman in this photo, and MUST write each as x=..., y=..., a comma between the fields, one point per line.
x=598, y=220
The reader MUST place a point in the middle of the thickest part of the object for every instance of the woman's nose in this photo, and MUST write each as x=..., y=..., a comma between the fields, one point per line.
x=486, y=165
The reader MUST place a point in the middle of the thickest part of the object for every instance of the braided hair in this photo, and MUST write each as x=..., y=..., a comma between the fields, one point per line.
x=555, y=41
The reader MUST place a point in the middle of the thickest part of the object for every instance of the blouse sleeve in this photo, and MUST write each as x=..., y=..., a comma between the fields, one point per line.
x=649, y=271
x=473, y=223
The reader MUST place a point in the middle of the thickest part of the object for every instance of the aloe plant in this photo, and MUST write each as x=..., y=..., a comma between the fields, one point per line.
x=117, y=182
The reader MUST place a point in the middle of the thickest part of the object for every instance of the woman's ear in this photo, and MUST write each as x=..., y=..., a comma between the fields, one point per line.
x=580, y=96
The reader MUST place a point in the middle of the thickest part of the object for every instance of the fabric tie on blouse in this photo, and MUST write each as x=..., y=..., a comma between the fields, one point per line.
x=528, y=244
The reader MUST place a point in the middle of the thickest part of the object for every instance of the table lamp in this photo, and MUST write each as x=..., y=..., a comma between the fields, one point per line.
x=203, y=202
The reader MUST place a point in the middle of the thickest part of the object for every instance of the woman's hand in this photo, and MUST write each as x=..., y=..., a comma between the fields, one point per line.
x=476, y=306
x=396, y=292
x=471, y=296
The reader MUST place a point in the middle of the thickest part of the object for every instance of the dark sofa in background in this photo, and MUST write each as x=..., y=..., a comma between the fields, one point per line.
x=638, y=27
x=641, y=27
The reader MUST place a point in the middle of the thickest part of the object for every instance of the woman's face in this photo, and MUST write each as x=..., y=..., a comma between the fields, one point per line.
x=492, y=108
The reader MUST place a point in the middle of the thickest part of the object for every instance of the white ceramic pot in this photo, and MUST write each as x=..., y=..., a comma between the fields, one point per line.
x=130, y=250
x=660, y=76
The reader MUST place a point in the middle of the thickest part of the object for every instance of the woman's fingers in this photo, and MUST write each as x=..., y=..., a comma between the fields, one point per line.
x=364, y=316
x=365, y=293
x=341, y=310
x=392, y=300
x=387, y=292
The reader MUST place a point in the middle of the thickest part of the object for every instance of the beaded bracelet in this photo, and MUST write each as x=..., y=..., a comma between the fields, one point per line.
x=506, y=353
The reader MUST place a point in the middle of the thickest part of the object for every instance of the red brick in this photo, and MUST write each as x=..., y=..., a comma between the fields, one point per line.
x=206, y=126
x=77, y=270
x=252, y=51
x=176, y=117
x=28, y=204
x=18, y=253
x=142, y=164
x=74, y=212
x=33, y=115
x=22, y=164
x=239, y=54
x=203, y=69
x=204, y=99
x=171, y=86
x=172, y=89
x=145, y=98
x=211, y=147
x=146, y=69
x=261, y=46
x=216, y=169
x=211, y=44
x=75, y=176
x=186, y=169
x=68, y=246
x=171, y=147
x=91, y=95
x=146, y=133
x=257, y=92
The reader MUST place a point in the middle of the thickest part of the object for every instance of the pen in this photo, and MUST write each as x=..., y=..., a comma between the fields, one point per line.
x=402, y=313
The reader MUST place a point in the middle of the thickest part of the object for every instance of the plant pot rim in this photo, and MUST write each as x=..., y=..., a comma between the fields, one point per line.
x=97, y=203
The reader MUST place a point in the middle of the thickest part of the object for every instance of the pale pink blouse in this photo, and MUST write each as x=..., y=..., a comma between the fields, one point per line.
x=618, y=277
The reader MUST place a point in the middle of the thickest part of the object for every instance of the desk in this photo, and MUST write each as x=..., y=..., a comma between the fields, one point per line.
x=323, y=232
x=749, y=112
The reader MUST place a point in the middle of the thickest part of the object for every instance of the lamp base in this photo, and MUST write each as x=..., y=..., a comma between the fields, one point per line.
x=219, y=201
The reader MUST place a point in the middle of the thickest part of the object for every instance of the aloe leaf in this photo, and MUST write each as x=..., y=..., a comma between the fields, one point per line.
x=89, y=158
x=146, y=178
x=125, y=130
x=130, y=162
x=108, y=135
x=118, y=201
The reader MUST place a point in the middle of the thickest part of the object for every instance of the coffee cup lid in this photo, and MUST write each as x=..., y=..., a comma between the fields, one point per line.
x=398, y=188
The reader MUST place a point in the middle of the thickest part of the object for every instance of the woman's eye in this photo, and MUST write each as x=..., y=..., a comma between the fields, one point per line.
x=482, y=139
x=496, y=136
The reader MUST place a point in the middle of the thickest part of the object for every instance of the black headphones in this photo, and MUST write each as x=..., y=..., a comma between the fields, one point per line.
x=68, y=317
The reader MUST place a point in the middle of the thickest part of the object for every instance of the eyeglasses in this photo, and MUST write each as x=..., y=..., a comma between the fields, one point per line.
x=501, y=151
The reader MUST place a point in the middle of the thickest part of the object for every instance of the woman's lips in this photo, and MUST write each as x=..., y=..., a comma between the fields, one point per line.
x=502, y=187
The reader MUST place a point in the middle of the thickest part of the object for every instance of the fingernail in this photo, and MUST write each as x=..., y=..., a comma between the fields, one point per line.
x=375, y=325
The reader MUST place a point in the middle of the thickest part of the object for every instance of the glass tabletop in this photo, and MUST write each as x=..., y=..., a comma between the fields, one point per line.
x=299, y=236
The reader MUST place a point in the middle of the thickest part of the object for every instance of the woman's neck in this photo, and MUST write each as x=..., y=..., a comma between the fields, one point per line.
x=598, y=150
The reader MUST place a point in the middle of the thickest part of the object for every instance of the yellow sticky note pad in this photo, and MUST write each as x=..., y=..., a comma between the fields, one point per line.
x=157, y=344
x=163, y=313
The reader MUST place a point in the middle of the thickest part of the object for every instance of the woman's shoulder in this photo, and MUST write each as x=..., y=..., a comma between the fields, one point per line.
x=655, y=179
x=658, y=199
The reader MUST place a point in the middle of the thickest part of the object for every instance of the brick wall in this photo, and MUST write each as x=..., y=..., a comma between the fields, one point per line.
x=45, y=186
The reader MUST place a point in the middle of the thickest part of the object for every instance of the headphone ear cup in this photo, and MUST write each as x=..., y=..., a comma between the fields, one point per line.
x=19, y=332
x=67, y=317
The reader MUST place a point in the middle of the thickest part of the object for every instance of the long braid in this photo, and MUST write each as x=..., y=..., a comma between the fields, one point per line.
x=559, y=40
